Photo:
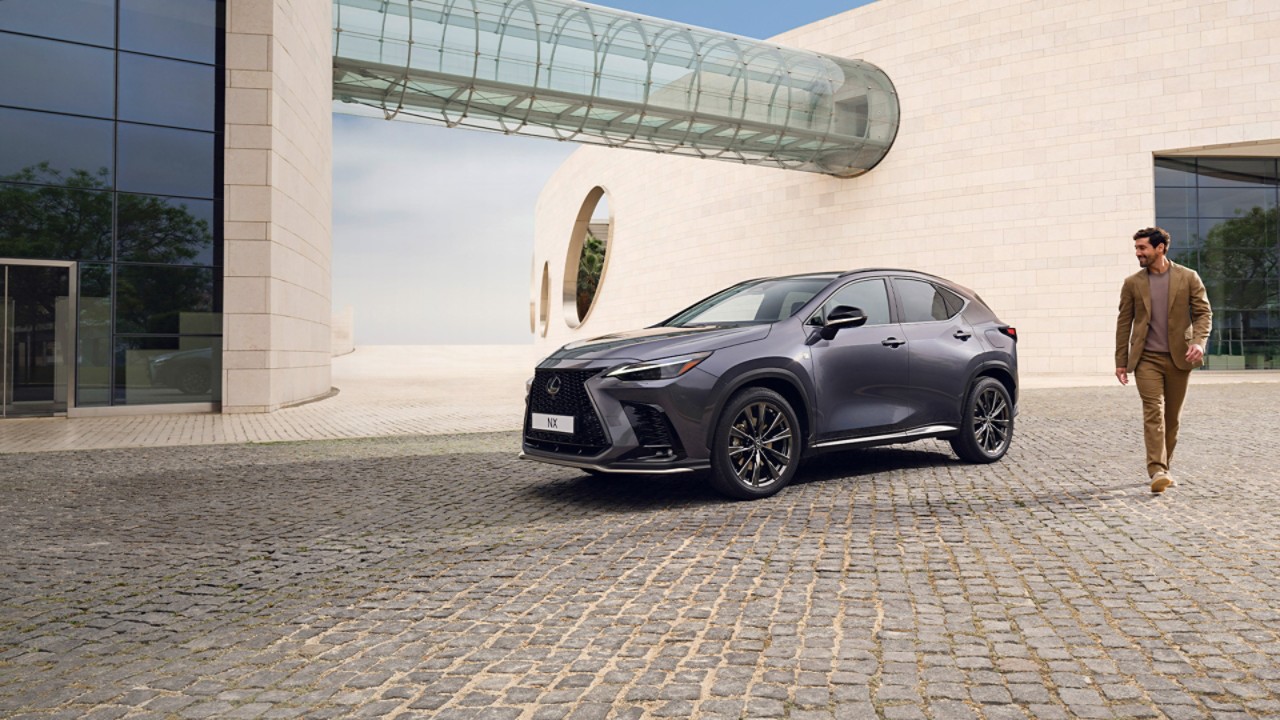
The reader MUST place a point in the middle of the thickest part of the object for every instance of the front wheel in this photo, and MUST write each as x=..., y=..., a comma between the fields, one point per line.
x=986, y=428
x=756, y=446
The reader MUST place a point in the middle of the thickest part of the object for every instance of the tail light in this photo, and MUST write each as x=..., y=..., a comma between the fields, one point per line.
x=1009, y=332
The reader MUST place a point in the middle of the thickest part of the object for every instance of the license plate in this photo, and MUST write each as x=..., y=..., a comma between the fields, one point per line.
x=553, y=423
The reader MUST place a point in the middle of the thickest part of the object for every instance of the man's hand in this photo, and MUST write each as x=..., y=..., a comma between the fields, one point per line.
x=1194, y=353
x=1122, y=374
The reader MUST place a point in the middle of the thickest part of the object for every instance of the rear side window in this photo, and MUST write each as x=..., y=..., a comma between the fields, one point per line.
x=925, y=302
x=869, y=296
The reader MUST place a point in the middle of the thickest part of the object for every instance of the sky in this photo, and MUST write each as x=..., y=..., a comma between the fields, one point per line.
x=433, y=227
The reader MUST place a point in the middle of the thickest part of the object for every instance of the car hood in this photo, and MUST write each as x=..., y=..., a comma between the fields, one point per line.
x=654, y=343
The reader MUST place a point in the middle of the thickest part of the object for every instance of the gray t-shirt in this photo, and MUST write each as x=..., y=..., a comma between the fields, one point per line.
x=1158, y=330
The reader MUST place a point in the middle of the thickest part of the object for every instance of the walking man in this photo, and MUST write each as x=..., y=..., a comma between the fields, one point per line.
x=1161, y=335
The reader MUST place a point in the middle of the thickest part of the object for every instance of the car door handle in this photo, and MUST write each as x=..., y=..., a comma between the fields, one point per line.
x=893, y=342
x=961, y=335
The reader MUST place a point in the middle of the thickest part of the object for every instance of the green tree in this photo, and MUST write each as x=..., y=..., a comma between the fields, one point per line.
x=1238, y=262
x=590, y=268
x=46, y=216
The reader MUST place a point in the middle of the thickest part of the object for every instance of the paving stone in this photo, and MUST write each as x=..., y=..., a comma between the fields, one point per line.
x=436, y=577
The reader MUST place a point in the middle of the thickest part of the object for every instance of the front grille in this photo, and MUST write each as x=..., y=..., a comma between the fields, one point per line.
x=588, y=436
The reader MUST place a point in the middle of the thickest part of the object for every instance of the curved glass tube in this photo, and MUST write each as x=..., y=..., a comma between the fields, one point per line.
x=571, y=71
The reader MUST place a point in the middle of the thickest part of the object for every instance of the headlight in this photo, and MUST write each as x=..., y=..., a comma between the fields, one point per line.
x=663, y=369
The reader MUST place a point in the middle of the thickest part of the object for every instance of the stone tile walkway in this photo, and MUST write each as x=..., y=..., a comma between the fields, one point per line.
x=383, y=391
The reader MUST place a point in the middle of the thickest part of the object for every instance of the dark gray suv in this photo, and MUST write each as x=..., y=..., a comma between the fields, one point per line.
x=750, y=380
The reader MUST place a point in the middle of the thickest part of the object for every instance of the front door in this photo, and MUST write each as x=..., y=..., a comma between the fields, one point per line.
x=35, y=336
x=861, y=373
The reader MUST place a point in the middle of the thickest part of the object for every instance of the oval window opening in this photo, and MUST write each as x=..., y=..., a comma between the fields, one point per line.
x=587, y=257
x=544, y=310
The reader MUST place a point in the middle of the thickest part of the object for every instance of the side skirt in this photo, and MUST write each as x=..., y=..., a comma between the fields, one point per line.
x=889, y=439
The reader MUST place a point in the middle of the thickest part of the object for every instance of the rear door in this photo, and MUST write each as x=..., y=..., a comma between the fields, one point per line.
x=940, y=346
x=861, y=373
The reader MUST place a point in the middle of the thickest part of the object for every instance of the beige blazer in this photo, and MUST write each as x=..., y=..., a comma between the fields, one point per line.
x=1190, y=317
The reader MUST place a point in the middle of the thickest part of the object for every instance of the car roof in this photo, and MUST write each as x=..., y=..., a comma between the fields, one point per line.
x=841, y=274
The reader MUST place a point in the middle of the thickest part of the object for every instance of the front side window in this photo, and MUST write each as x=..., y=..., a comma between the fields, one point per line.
x=869, y=296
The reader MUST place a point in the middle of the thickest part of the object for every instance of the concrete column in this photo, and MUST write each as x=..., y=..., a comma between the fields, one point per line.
x=278, y=202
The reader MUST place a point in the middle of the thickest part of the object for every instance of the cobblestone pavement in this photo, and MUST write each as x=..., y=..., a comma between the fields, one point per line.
x=440, y=577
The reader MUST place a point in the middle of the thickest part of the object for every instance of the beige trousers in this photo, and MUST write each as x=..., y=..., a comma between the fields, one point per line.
x=1162, y=387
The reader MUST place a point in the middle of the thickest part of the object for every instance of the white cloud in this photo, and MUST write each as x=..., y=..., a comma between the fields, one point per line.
x=433, y=230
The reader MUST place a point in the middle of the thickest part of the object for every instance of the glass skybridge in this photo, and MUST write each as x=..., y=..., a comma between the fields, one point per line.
x=571, y=71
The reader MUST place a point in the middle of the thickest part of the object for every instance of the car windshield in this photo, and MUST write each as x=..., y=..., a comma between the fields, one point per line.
x=755, y=302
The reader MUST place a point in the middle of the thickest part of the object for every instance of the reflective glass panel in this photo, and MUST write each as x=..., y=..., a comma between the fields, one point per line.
x=167, y=92
x=1236, y=250
x=54, y=223
x=57, y=76
x=152, y=371
x=1175, y=202
x=169, y=231
x=164, y=161
x=1232, y=201
x=186, y=29
x=154, y=299
x=36, y=339
x=869, y=296
x=1237, y=172
x=921, y=301
x=88, y=21
x=1183, y=232
x=1175, y=172
x=608, y=77
x=55, y=149
x=93, y=337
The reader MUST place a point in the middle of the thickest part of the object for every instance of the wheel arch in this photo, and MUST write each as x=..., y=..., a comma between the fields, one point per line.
x=780, y=381
x=996, y=370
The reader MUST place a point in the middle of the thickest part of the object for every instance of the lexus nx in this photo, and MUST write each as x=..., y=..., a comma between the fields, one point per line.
x=751, y=380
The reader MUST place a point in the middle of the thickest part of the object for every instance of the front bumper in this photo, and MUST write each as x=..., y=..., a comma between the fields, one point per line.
x=650, y=427
x=622, y=468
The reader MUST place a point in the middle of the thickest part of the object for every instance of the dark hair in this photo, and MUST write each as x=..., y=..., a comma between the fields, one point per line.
x=1155, y=236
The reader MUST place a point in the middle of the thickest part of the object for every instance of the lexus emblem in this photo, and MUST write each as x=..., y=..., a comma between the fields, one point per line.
x=553, y=386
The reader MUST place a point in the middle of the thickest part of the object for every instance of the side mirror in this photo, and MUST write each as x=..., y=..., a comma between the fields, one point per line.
x=840, y=317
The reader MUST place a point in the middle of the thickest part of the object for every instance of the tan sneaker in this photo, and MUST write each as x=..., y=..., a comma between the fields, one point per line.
x=1160, y=482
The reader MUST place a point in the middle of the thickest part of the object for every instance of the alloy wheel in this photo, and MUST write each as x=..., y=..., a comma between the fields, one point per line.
x=991, y=421
x=761, y=445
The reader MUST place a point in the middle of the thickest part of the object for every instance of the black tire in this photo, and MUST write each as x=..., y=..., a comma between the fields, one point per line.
x=757, y=445
x=193, y=380
x=986, y=425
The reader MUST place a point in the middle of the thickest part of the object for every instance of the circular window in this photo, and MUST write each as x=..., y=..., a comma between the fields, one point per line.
x=544, y=304
x=587, y=258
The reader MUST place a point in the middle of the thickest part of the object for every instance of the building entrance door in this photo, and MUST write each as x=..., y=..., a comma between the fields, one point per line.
x=36, y=336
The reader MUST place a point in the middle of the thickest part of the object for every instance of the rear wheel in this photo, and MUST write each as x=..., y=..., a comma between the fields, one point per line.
x=986, y=428
x=757, y=445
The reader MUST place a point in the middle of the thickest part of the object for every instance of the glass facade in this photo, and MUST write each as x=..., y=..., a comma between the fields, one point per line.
x=590, y=74
x=1223, y=216
x=111, y=157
